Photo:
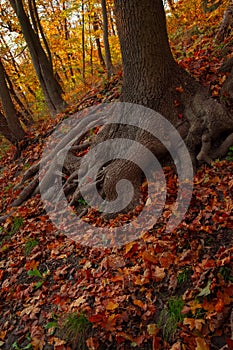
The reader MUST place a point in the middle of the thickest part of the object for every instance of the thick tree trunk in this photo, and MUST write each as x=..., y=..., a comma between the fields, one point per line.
x=50, y=87
x=150, y=72
x=153, y=79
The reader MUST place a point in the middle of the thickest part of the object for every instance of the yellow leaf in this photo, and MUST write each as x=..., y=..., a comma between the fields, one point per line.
x=201, y=344
x=195, y=305
x=152, y=329
x=129, y=246
x=79, y=301
x=176, y=346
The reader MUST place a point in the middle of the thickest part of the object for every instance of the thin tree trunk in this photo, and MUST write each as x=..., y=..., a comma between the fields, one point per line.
x=35, y=17
x=111, y=20
x=83, y=44
x=26, y=114
x=97, y=40
x=90, y=37
x=108, y=57
x=227, y=22
x=67, y=37
x=212, y=7
x=9, y=109
x=17, y=71
x=50, y=86
x=6, y=132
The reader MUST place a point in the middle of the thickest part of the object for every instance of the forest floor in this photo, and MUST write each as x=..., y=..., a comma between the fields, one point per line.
x=164, y=291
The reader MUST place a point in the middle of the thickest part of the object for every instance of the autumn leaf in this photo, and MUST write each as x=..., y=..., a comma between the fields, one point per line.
x=110, y=305
x=159, y=273
x=152, y=329
x=138, y=303
x=201, y=344
x=38, y=343
x=148, y=257
x=205, y=291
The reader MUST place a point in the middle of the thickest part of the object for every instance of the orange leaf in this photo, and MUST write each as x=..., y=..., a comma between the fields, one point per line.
x=149, y=257
x=138, y=303
x=1, y=274
x=111, y=306
x=31, y=265
x=179, y=89
x=131, y=246
x=219, y=306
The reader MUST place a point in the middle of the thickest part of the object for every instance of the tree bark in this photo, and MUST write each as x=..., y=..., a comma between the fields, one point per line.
x=83, y=44
x=6, y=132
x=25, y=113
x=50, y=87
x=97, y=40
x=150, y=71
x=108, y=57
x=227, y=22
x=9, y=109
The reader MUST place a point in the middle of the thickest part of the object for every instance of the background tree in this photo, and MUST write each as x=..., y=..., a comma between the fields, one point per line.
x=108, y=57
x=97, y=39
x=9, y=125
x=227, y=22
x=43, y=67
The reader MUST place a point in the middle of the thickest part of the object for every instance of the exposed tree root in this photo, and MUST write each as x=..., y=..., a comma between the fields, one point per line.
x=204, y=124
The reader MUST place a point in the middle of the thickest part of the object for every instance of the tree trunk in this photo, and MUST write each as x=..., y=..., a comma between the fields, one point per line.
x=69, y=55
x=97, y=40
x=9, y=109
x=83, y=44
x=6, y=132
x=150, y=72
x=108, y=57
x=227, y=22
x=50, y=87
x=210, y=7
x=26, y=114
x=38, y=28
x=153, y=79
